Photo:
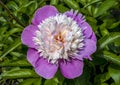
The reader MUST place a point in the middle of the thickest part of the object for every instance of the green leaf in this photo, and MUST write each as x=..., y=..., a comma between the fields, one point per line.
x=19, y=73
x=104, y=84
x=21, y=2
x=12, y=47
x=68, y=82
x=115, y=47
x=14, y=30
x=93, y=22
x=60, y=77
x=111, y=57
x=98, y=60
x=53, y=81
x=12, y=5
x=113, y=84
x=11, y=32
x=61, y=8
x=114, y=73
x=84, y=78
x=28, y=4
x=90, y=3
x=104, y=77
x=2, y=19
x=107, y=4
x=54, y=2
x=28, y=82
x=3, y=30
x=108, y=39
x=22, y=62
x=114, y=25
x=39, y=81
x=31, y=81
x=72, y=4
x=103, y=29
x=83, y=2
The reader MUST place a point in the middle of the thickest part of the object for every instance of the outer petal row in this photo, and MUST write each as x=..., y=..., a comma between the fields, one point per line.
x=27, y=36
x=90, y=47
x=41, y=65
x=45, y=69
x=70, y=70
x=32, y=56
x=43, y=13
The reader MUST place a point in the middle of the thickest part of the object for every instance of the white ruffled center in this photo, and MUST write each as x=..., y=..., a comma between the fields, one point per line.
x=58, y=37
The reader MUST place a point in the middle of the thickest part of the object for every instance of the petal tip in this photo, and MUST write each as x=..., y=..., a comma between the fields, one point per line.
x=41, y=14
x=72, y=69
x=45, y=69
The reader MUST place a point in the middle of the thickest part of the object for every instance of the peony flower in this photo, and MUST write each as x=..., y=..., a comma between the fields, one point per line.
x=57, y=40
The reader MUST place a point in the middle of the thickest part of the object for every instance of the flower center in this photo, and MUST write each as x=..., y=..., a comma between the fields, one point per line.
x=58, y=37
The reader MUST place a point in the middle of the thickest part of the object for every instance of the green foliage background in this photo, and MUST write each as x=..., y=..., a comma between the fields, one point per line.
x=102, y=15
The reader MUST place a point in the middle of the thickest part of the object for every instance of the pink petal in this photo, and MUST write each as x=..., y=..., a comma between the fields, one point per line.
x=43, y=13
x=32, y=56
x=88, y=57
x=45, y=69
x=87, y=30
x=71, y=14
x=93, y=37
x=72, y=69
x=27, y=36
x=90, y=48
